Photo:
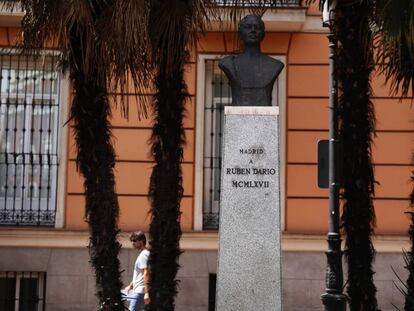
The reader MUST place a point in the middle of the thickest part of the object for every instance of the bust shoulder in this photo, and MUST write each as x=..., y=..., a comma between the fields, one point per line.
x=227, y=65
x=226, y=62
x=275, y=64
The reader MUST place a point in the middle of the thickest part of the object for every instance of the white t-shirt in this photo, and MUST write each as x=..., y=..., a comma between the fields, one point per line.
x=140, y=264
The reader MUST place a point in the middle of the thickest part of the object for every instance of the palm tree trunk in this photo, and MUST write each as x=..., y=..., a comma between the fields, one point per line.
x=96, y=160
x=166, y=188
x=166, y=185
x=409, y=260
x=357, y=128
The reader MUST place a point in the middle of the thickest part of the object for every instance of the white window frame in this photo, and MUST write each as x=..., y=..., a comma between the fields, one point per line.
x=65, y=102
x=62, y=137
x=199, y=147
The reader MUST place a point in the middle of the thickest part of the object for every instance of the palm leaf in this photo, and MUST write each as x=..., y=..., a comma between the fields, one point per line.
x=125, y=31
x=113, y=36
x=395, y=20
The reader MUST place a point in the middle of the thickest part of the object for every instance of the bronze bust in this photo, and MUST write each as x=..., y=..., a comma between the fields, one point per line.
x=251, y=73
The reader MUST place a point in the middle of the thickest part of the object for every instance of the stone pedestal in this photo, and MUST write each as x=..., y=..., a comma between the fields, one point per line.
x=249, y=261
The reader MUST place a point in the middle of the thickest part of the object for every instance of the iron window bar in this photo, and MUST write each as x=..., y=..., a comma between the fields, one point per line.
x=218, y=94
x=252, y=3
x=22, y=291
x=29, y=114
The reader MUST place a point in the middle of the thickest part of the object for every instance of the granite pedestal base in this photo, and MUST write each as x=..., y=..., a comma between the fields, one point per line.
x=249, y=261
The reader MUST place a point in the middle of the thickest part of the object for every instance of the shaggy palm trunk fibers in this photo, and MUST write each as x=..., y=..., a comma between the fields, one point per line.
x=409, y=261
x=166, y=186
x=357, y=128
x=96, y=160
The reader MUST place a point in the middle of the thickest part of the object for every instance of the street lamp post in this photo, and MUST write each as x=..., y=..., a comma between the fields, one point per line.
x=333, y=299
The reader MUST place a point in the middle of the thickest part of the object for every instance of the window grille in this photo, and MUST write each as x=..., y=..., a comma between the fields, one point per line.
x=29, y=114
x=217, y=95
x=274, y=3
x=22, y=291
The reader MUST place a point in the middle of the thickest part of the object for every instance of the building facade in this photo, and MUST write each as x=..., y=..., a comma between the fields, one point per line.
x=43, y=235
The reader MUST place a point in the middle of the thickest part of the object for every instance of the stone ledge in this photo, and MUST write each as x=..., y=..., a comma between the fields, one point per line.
x=190, y=241
x=252, y=110
x=10, y=17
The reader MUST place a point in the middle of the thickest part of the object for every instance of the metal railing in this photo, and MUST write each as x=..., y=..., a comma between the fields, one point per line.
x=218, y=94
x=252, y=3
x=29, y=127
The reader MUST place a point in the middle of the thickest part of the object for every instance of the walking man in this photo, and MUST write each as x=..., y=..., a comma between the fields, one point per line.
x=138, y=289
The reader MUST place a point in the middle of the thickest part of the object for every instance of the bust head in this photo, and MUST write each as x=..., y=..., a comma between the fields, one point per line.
x=251, y=30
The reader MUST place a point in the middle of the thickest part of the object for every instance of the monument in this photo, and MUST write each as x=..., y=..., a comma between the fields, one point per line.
x=249, y=273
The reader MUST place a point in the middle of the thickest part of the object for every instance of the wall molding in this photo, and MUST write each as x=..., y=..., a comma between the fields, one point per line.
x=191, y=241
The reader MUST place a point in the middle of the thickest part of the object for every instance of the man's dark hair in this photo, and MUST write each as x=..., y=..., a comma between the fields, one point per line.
x=138, y=236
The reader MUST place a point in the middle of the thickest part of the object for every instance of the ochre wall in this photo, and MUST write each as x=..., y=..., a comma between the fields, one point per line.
x=133, y=166
x=12, y=36
x=9, y=36
x=307, y=122
x=307, y=117
x=132, y=170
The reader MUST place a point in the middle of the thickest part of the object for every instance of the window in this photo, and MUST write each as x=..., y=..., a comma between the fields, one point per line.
x=215, y=94
x=22, y=291
x=29, y=131
x=218, y=94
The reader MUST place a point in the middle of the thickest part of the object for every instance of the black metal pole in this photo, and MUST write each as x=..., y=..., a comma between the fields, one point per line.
x=333, y=299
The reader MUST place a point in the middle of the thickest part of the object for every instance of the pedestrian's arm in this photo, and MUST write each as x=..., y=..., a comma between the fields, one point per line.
x=146, y=285
x=129, y=286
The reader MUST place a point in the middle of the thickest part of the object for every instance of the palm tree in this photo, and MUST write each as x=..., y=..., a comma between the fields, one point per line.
x=173, y=25
x=351, y=26
x=354, y=69
x=396, y=45
x=359, y=26
x=96, y=59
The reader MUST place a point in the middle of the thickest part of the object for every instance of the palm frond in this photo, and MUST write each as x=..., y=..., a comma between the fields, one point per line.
x=125, y=31
x=113, y=40
x=395, y=20
x=405, y=287
x=234, y=10
x=40, y=22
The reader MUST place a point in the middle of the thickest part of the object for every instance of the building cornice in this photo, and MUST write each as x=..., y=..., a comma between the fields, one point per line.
x=10, y=18
x=277, y=20
x=282, y=19
x=192, y=241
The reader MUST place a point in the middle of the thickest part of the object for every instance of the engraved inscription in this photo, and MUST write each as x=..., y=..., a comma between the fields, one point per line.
x=250, y=171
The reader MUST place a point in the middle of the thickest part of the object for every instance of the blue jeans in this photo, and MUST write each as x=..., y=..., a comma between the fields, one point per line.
x=136, y=302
